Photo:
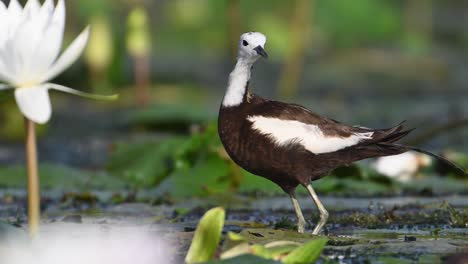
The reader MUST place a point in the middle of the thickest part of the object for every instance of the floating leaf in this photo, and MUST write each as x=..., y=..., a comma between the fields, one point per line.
x=235, y=237
x=261, y=251
x=282, y=243
x=307, y=253
x=277, y=249
x=244, y=259
x=207, y=236
x=280, y=251
x=233, y=240
x=238, y=250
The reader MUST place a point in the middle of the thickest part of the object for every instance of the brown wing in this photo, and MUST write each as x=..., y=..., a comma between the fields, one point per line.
x=329, y=127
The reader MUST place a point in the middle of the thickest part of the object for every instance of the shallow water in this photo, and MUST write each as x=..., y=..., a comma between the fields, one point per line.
x=414, y=229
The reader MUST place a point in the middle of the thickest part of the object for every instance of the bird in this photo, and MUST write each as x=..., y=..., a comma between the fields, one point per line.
x=404, y=167
x=289, y=144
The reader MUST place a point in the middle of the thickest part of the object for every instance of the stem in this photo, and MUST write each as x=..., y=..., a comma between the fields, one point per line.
x=33, y=179
x=142, y=79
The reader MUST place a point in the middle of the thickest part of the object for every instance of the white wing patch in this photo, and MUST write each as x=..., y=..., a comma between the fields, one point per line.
x=310, y=136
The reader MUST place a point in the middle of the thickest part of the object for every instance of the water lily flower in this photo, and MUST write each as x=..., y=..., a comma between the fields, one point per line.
x=30, y=44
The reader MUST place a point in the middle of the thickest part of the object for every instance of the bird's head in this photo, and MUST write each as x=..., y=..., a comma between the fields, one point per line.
x=252, y=46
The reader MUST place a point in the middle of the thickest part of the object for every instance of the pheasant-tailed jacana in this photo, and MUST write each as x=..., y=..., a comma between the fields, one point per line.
x=287, y=143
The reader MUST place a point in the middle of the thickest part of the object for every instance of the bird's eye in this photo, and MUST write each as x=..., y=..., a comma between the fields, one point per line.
x=245, y=43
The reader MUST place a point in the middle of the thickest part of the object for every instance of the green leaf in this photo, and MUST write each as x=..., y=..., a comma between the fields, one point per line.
x=244, y=259
x=238, y=250
x=261, y=251
x=281, y=248
x=235, y=237
x=395, y=260
x=206, y=177
x=207, y=236
x=145, y=164
x=307, y=253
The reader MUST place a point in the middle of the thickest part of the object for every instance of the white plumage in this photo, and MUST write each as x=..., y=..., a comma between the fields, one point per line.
x=310, y=136
x=236, y=88
x=240, y=77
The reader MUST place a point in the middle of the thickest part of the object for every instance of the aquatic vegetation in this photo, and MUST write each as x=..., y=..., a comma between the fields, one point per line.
x=238, y=248
x=207, y=236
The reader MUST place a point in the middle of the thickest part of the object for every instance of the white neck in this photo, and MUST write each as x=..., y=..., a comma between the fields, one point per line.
x=238, y=80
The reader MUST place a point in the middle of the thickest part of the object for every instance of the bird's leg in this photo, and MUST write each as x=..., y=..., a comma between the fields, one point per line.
x=300, y=217
x=323, y=211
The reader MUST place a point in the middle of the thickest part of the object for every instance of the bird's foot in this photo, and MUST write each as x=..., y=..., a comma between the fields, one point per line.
x=301, y=226
x=323, y=220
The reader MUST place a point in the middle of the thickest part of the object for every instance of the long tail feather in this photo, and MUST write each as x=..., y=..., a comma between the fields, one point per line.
x=461, y=171
x=397, y=136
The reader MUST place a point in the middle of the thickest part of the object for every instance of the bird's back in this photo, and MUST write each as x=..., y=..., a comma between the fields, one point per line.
x=277, y=140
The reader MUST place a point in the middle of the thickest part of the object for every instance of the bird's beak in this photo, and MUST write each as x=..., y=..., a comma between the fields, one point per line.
x=261, y=52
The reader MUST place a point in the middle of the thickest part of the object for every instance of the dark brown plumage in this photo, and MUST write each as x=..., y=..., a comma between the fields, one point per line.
x=292, y=165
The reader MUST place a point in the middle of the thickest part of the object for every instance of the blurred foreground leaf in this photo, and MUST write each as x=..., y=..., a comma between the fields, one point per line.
x=207, y=236
x=307, y=253
x=259, y=245
x=244, y=259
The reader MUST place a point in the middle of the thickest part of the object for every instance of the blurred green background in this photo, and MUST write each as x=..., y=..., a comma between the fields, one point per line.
x=367, y=62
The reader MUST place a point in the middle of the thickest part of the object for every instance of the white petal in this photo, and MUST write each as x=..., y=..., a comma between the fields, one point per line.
x=25, y=42
x=34, y=103
x=45, y=14
x=4, y=17
x=13, y=17
x=2, y=9
x=15, y=14
x=31, y=7
x=48, y=4
x=15, y=8
x=69, y=56
x=10, y=20
x=8, y=65
x=28, y=38
x=5, y=24
x=51, y=42
x=69, y=90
